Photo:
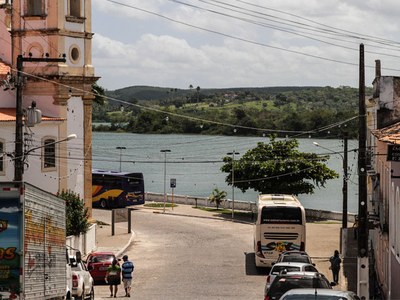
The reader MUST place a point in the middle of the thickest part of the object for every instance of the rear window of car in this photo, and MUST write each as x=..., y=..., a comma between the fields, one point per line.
x=313, y=297
x=295, y=258
x=278, y=269
x=283, y=284
x=102, y=258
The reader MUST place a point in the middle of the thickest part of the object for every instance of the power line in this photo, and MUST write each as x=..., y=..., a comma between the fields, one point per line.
x=244, y=39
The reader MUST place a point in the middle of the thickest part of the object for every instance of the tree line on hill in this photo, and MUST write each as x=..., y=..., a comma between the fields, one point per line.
x=240, y=111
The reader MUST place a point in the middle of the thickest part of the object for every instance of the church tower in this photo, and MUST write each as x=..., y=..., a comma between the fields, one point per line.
x=57, y=29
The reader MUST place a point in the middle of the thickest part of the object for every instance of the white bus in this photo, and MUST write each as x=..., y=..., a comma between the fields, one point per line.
x=280, y=226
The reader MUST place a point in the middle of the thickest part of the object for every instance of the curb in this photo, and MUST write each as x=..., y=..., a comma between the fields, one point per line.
x=133, y=234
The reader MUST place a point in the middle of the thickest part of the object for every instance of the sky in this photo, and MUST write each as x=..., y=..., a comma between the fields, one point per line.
x=243, y=43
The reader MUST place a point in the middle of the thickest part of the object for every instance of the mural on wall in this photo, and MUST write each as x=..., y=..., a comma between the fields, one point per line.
x=10, y=247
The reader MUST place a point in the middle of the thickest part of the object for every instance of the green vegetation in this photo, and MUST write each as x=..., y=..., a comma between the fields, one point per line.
x=278, y=168
x=76, y=213
x=217, y=196
x=159, y=204
x=210, y=111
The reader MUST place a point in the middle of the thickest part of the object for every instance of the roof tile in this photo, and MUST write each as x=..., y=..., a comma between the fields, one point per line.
x=8, y=115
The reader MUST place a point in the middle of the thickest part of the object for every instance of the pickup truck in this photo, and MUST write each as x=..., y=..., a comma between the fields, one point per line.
x=82, y=281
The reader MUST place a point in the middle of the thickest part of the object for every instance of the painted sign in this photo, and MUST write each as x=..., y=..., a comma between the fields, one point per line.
x=10, y=247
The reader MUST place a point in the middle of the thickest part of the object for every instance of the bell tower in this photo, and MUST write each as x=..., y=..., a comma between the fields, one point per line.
x=53, y=29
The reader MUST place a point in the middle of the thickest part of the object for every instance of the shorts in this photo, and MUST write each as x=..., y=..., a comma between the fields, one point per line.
x=127, y=282
x=114, y=280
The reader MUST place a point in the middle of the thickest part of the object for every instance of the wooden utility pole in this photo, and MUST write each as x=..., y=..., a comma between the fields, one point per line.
x=19, y=141
x=362, y=234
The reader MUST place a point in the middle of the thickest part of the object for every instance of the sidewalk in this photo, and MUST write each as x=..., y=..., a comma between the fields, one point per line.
x=322, y=238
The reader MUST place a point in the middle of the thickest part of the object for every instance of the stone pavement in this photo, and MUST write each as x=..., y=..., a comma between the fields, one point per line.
x=322, y=239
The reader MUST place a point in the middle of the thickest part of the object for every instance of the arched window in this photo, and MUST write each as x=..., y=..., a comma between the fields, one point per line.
x=34, y=8
x=75, y=8
x=49, y=153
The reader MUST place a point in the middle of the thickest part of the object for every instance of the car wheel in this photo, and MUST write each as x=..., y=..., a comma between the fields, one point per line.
x=103, y=203
x=91, y=295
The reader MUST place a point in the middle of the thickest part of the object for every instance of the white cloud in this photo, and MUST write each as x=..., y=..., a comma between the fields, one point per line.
x=134, y=48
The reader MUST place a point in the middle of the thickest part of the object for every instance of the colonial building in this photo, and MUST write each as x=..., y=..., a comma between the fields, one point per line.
x=384, y=184
x=52, y=42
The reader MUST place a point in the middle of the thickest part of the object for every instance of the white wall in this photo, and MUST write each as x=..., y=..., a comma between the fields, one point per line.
x=75, y=147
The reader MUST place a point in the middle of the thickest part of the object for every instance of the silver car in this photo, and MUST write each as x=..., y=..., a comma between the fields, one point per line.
x=318, y=294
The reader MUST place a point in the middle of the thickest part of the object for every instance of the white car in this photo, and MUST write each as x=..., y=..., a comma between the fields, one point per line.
x=82, y=281
x=318, y=294
x=288, y=267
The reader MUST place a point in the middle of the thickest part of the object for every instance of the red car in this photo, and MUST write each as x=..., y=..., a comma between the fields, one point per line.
x=97, y=264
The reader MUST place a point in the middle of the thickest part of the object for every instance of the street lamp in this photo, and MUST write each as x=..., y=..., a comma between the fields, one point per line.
x=345, y=177
x=120, y=156
x=233, y=153
x=165, y=174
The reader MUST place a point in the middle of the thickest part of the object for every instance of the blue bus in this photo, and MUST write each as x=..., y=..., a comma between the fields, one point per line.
x=116, y=189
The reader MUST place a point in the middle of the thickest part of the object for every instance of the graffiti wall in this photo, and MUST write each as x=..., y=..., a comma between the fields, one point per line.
x=10, y=247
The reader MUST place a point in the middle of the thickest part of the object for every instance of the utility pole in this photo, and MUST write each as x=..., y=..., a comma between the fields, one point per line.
x=19, y=153
x=362, y=234
x=233, y=153
x=165, y=151
x=345, y=177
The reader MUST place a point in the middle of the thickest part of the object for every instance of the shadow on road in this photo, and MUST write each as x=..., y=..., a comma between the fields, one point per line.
x=251, y=268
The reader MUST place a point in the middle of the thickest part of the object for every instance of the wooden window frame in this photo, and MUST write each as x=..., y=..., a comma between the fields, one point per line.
x=49, y=154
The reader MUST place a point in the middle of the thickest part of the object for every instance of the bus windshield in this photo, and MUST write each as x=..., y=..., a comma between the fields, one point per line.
x=281, y=215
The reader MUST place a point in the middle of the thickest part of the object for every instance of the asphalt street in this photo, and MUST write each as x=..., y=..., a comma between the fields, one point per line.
x=188, y=253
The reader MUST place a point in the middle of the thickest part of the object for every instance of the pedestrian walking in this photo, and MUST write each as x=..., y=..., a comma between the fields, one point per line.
x=113, y=277
x=335, y=261
x=127, y=270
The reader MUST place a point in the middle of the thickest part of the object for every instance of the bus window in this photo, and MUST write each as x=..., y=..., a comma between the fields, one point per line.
x=116, y=189
x=281, y=215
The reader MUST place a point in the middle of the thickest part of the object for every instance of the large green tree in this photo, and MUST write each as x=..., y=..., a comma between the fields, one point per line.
x=278, y=167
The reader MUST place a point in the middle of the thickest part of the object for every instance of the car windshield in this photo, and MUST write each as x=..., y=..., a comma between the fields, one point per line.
x=283, y=284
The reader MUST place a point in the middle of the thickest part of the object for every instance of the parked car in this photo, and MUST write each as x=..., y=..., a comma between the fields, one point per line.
x=318, y=294
x=97, y=263
x=292, y=280
x=288, y=267
x=82, y=281
x=294, y=256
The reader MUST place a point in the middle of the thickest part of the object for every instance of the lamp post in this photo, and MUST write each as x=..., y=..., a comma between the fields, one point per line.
x=345, y=177
x=165, y=174
x=233, y=153
x=120, y=156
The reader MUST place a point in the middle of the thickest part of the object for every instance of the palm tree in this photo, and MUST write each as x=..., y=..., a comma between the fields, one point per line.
x=198, y=93
x=217, y=196
x=99, y=93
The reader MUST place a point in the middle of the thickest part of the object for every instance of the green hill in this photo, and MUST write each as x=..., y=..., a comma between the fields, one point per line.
x=281, y=110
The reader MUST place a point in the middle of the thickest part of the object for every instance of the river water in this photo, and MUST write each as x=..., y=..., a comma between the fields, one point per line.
x=195, y=162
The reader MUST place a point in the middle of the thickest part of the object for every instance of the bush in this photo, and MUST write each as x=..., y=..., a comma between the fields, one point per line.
x=76, y=213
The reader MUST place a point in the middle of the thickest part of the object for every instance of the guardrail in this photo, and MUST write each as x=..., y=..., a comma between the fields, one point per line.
x=240, y=205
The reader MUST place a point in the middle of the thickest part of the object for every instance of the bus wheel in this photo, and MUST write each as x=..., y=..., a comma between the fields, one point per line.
x=103, y=203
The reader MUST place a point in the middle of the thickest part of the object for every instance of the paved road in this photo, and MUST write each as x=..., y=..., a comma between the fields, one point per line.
x=179, y=257
x=185, y=254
